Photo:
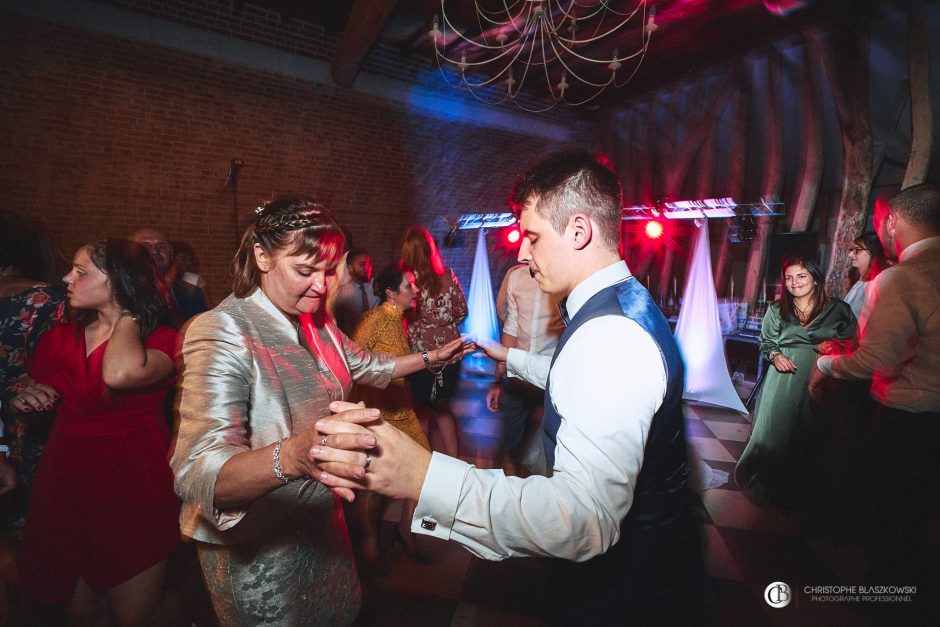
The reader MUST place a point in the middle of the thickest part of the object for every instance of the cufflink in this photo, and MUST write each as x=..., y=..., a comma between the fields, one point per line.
x=428, y=523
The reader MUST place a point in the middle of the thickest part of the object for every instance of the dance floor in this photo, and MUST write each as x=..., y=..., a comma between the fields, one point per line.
x=746, y=547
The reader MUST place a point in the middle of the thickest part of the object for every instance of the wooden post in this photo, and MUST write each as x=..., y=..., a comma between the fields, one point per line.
x=735, y=186
x=772, y=181
x=844, y=54
x=807, y=184
x=921, y=110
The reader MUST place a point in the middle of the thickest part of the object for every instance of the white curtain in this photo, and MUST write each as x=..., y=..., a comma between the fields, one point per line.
x=481, y=315
x=698, y=333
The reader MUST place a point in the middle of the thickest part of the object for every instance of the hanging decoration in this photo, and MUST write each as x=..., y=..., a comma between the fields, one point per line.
x=555, y=41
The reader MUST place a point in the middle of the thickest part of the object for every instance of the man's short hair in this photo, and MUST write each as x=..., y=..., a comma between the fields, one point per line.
x=357, y=252
x=571, y=182
x=919, y=205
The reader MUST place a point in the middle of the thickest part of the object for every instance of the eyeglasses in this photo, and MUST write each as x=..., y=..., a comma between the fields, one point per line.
x=857, y=249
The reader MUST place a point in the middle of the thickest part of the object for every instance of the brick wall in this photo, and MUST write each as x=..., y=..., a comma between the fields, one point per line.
x=102, y=135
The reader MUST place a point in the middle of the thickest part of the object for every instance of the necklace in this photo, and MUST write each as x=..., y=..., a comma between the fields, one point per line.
x=802, y=314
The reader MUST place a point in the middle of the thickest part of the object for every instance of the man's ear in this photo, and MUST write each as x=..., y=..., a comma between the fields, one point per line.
x=579, y=231
x=891, y=221
x=262, y=258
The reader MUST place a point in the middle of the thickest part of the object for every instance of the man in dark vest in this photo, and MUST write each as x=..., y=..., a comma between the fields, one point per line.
x=614, y=510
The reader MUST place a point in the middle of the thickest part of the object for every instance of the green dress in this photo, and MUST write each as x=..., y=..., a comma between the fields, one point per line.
x=779, y=460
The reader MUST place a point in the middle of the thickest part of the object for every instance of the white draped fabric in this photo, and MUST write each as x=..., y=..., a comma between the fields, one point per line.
x=481, y=315
x=698, y=333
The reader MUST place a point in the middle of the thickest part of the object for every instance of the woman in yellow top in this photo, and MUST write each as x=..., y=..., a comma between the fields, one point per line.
x=382, y=329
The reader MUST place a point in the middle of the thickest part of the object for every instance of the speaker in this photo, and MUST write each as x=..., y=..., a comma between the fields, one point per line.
x=781, y=245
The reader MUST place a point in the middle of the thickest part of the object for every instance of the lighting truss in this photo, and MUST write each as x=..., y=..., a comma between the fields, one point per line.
x=485, y=220
x=725, y=207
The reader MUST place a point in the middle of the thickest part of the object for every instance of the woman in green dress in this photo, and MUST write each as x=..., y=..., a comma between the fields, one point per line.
x=777, y=462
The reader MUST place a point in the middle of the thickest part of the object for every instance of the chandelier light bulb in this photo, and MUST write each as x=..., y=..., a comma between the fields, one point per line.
x=651, y=24
x=555, y=43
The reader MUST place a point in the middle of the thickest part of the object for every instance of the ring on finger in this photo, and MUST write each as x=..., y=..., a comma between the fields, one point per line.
x=368, y=462
x=325, y=440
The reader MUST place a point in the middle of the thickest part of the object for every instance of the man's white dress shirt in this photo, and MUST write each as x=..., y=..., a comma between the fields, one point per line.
x=606, y=384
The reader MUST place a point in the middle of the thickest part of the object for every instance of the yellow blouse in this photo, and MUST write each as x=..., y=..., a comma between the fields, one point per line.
x=381, y=330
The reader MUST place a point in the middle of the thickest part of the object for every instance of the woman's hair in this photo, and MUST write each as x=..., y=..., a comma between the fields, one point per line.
x=418, y=251
x=289, y=226
x=820, y=300
x=26, y=247
x=133, y=280
x=879, y=261
x=389, y=278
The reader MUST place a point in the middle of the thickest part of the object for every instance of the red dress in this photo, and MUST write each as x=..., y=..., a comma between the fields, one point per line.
x=103, y=506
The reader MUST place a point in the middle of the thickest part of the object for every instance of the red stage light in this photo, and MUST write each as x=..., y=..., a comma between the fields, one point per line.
x=654, y=229
x=513, y=236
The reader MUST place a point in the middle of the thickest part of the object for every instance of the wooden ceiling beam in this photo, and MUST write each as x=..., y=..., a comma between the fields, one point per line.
x=365, y=24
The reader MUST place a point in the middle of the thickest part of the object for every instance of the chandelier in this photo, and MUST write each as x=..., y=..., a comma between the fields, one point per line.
x=530, y=40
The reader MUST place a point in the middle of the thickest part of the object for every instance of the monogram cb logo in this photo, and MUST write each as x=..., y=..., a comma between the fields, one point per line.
x=778, y=594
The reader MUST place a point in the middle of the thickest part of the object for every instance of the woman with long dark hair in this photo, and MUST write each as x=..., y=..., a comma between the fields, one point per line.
x=441, y=306
x=776, y=460
x=259, y=370
x=29, y=306
x=867, y=259
x=103, y=517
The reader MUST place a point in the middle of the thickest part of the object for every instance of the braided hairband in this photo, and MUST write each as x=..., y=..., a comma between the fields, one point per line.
x=284, y=223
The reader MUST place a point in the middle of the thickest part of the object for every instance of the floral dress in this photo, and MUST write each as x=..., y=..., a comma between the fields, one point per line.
x=24, y=317
x=434, y=320
x=431, y=324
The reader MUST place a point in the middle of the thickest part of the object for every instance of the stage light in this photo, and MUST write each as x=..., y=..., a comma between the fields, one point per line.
x=513, y=236
x=654, y=229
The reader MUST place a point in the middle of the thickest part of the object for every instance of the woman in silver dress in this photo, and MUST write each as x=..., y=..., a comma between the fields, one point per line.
x=258, y=372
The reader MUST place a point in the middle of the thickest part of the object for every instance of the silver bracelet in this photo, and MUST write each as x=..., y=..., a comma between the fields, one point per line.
x=277, y=464
x=427, y=362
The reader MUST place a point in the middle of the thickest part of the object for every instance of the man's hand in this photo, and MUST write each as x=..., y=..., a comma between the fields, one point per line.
x=338, y=453
x=398, y=464
x=455, y=348
x=492, y=397
x=494, y=350
x=817, y=385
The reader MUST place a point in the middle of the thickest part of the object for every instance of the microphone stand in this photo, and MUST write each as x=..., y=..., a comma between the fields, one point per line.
x=232, y=182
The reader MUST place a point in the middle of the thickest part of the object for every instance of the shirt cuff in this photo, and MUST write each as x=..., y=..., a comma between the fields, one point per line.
x=515, y=362
x=824, y=364
x=440, y=494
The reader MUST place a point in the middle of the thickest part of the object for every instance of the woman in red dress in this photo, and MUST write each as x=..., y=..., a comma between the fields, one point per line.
x=103, y=516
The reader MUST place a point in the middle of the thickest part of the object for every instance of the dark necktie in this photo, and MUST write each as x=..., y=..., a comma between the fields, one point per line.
x=365, y=299
x=563, y=309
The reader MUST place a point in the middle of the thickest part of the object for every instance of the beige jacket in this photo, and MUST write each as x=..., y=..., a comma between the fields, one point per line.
x=246, y=382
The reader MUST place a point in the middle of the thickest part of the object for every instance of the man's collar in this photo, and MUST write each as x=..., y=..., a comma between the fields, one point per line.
x=919, y=245
x=583, y=291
